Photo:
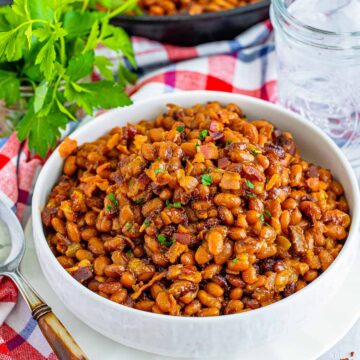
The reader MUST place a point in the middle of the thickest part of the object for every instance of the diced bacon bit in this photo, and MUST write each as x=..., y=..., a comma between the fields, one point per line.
x=139, y=140
x=154, y=279
x=82, y=274
x=223, y=163
x=188, y=183
x=131, y=131
x=210, y=151
x=143, y=181
x=216, y=126
x=217, y=135
x=67, y=147
x=298, y=239
x=230, y=181
x=253, y=173
x=185, y=239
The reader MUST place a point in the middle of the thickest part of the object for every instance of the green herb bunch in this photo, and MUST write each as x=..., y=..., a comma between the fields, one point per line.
x=48, y=45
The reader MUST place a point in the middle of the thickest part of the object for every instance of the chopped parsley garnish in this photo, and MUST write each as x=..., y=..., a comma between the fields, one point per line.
x=249, y=184
x=113, y=200
x=268, y=213
x=175, y=204
x=203, y=134
x=206, y=179
x=251, y=195
x=147, y=223
x=228, y=142
x=128, y=226
x=255, y=152
x=139, y=201
x=266, y=224
x=235, y=260
x=163, y=240
x=197, y=145
x=158, y=171
x=261, y=216
x=180, y=128
x=158, y=158
x=129, y=253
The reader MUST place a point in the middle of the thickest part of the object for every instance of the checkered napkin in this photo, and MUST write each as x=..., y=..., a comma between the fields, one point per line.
x=244, y=65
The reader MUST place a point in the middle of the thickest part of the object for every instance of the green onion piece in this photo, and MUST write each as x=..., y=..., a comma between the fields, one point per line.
x=268, y=213
x=139, y=201
x=206, y=179
x=249, y=184
x=203, y=134
x=129, y=226
x=255, y=152
x=234, y=260
x=158, y=171
x=262, y=217
x=161, y=238
x=147, y=223
x=177, y=204
x=180, y=128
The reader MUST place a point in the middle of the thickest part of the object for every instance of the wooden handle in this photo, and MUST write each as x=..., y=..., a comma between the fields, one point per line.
x=57, y=336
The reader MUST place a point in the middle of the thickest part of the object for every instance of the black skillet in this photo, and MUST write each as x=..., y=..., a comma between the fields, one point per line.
x=186, y=30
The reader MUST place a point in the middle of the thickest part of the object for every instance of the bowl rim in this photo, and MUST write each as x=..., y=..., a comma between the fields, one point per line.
x=195, y=95
x=187, y=18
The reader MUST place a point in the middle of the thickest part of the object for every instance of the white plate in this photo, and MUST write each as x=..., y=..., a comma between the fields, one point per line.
x=309, y=341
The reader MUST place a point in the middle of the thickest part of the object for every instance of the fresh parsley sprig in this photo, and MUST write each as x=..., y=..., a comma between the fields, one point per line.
x=48, y=46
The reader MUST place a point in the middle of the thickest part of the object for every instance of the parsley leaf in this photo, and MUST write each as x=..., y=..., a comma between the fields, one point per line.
x=203, y=134
x=129, y=226
x=180, y=128
x=261, y=217
x=147, y=223
x=9, y=87
x=255, y=151
x=104, y=66
x=112, y=198
x=206, y=179
x=235, y=260
x=101, y=94
x=177, y=204
x=46, y=58
x=42, y=131
x=80, y=66
x=158, y=171
x=139, y=201
x=268, y=213
x=161, y=238
x=249, y=184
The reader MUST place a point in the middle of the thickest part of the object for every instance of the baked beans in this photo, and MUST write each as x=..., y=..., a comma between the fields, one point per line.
x=199, y=212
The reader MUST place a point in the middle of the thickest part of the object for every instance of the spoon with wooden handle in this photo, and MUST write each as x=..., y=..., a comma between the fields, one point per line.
x=12, y=248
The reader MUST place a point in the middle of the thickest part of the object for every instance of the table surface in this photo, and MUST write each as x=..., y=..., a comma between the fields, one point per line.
x=350, y=343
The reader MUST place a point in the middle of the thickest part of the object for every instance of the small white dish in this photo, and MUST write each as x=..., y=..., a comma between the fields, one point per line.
x=201, y=337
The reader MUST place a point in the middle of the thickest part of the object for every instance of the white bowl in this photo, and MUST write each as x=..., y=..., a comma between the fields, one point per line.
x=199, y=337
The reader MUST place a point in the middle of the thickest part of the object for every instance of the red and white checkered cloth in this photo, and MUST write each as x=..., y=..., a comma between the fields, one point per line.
x=244, y=65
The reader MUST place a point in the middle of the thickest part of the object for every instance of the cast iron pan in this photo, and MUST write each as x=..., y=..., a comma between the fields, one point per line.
x=189, y=30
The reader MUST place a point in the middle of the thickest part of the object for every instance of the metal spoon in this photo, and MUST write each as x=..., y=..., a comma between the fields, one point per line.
x=12, y=248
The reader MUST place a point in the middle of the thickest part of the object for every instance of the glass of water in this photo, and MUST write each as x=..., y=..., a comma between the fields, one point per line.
x=318, y=63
